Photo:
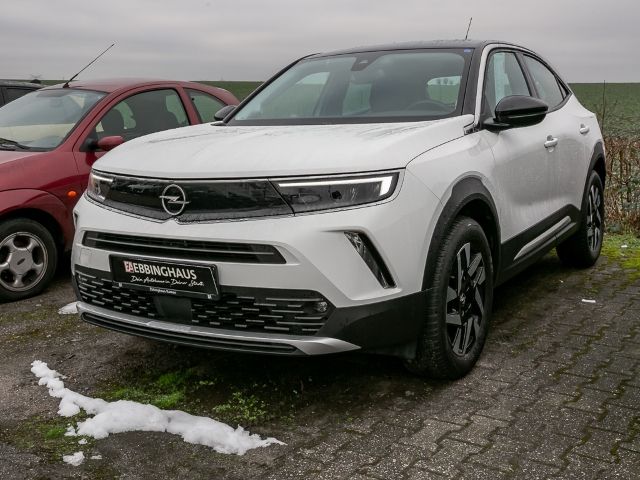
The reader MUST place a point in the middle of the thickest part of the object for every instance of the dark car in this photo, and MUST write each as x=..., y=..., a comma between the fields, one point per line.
x=48, y=141
x=11, y=90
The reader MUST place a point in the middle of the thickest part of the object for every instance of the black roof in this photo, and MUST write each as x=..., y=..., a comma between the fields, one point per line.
x=417, y=45
x=17, y=83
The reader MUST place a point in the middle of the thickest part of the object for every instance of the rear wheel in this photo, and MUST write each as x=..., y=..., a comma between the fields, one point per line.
x=459, y=304
x=28, y=259
x=582, y=249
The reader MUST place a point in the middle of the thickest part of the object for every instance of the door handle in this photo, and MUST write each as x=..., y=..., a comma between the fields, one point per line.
x=584, y=129
x=551, y=142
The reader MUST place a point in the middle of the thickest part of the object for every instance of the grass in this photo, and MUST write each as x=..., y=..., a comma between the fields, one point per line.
x=622, y=102
x=240, y=89
x=47, y=437
x=624, y=249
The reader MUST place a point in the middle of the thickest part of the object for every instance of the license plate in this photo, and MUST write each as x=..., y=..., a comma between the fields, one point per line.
x=166, y=278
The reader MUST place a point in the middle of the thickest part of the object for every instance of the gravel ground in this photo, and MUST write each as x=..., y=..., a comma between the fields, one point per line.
x=555, y=394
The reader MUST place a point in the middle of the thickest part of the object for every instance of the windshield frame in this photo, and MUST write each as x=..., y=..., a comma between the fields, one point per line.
x=78, y=122
x=467, y=53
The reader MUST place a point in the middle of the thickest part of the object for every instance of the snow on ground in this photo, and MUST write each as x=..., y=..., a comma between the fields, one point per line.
x=127, y=416
x=74, y=459
x=69, y=309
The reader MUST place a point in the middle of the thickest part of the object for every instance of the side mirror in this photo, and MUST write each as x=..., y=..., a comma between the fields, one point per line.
x=108, y=143
x=223, y=112
x=517, y=111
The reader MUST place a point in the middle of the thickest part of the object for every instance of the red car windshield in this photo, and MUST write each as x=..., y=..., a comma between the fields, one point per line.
x=41, y=120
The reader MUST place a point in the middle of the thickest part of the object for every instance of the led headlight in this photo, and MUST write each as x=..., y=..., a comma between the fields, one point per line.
x=323, y=193
x=99, y=185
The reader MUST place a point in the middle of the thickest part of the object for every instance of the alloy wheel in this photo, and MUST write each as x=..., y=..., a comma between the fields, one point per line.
x=594, y=218
x=465, y=300
x=23, y=261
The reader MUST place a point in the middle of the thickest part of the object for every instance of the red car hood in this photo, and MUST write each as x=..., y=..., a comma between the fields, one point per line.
x=14, y=168
x=7, y=156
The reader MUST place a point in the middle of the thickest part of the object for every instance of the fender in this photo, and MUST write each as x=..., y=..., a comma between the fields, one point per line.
x=464, y=192
x=13, y=201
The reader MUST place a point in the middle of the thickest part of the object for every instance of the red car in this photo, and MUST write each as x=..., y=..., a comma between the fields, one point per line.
x=48, y=141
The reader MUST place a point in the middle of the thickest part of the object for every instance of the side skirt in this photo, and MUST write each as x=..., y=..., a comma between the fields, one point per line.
x=521, y=251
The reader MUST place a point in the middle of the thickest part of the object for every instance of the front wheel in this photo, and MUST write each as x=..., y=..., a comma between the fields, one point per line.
x=582, y=249
x=28, y=259
x=459, y=304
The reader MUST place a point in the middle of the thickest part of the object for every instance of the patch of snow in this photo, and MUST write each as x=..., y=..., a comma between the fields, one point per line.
x=586, y=300
x=74, y=459
x=71, y=432
x=69, y=309
x=624, y=246
x=82, y=441
x=127, y=416
x=96, y=457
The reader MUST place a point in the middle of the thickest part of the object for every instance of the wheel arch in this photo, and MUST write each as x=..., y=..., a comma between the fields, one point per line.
x=469, y=197
x=598, y=162
x=43, y=218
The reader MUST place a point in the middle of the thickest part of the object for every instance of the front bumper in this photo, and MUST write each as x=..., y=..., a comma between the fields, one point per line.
x=318, y=257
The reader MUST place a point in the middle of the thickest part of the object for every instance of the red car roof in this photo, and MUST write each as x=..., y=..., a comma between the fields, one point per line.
x=110, y=85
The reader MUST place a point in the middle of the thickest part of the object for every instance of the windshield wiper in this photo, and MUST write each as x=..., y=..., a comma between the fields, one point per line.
x=5, y=142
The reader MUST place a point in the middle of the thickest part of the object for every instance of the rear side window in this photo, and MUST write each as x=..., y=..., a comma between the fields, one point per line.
x=545, y=82
x=504, y=78
x=142, y=114
x=206, y=105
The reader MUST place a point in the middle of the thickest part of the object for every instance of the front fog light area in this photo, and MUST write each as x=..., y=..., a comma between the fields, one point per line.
x=371, y=257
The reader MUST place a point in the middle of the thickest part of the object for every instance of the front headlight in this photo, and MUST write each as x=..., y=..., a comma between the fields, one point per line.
x=99, y=185
x=323, y=193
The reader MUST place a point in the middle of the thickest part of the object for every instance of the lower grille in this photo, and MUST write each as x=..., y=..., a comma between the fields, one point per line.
x=291, y=312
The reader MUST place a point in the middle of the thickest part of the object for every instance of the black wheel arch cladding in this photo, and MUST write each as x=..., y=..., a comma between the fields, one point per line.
x=469, y=197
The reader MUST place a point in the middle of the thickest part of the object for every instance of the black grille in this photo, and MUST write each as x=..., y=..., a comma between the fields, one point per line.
x=205, y=200
x=291, y=312
x=187, y=249
x=108, y=295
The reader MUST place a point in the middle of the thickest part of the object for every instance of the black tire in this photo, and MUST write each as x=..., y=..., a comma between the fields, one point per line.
x=582, y=249
x=28, y=259
x=451, y=341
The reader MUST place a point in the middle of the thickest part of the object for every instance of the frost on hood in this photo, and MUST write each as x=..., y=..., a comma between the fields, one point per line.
x=127, y=416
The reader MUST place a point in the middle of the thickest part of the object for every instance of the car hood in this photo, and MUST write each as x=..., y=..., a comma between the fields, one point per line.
x=209, y=151
x=8, y=156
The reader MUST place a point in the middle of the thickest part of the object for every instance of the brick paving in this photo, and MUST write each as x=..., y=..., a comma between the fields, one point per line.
x=555, y=395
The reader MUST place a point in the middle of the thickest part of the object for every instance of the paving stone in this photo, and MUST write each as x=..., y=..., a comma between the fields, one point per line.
x=600, y=445
x=479, y=430
x=447, y=459
x=432, y=431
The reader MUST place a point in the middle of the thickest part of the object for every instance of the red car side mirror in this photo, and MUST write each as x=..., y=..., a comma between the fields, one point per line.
x=109, y=143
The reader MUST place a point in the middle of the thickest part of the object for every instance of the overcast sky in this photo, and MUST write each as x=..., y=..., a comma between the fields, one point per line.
x=586, y=40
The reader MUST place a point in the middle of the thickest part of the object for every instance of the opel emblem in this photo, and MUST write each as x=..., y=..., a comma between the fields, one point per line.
x=173, y=199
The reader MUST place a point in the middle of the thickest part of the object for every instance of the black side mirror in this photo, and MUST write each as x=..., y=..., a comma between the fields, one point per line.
x=223, y=112
x=517, y=111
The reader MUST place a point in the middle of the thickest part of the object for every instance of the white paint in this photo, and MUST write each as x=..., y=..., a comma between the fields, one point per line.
x=206, y=151
x=126, y=416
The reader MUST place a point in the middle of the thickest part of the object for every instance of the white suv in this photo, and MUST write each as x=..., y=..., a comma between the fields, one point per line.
x=363, y=199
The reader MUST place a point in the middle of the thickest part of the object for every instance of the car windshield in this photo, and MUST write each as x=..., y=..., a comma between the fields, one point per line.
x=41, y=120
x=383, y=86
